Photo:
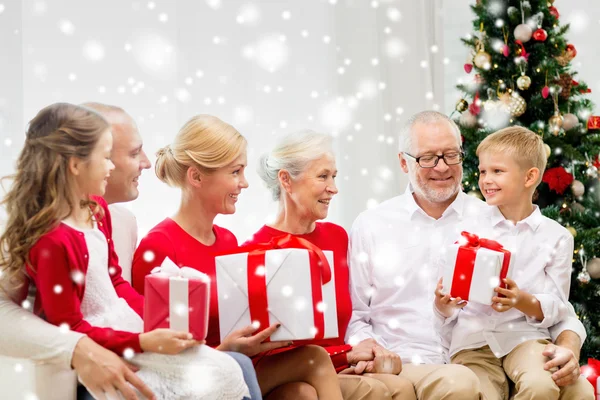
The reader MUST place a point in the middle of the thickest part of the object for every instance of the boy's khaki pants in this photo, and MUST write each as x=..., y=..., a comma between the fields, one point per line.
x=524, y=366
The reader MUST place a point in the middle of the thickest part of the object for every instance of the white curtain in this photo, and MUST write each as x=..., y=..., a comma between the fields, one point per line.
x=353, y=68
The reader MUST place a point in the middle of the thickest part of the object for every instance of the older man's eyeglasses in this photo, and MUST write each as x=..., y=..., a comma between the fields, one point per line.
x=430, y=161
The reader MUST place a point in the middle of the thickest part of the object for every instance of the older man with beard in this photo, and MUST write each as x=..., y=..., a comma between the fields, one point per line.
x=393, y=276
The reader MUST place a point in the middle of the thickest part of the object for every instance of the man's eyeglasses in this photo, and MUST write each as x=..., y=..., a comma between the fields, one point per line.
x=430, y=161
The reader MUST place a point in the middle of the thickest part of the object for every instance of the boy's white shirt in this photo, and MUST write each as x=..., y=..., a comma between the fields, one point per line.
x=541, y=252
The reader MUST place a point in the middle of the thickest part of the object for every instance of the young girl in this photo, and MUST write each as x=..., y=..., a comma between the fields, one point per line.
x=207, y=162
x=59, y=234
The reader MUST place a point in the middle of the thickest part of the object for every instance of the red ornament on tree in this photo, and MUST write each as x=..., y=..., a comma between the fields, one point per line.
x=540, y=35
x=468, y=68
x=474, y=108
x=554, y=12
x=545, y=92
x=596, y=162
x=558, y=179
x=572, y=50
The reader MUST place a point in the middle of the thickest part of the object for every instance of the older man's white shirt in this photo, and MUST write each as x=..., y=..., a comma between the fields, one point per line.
x=393, y=274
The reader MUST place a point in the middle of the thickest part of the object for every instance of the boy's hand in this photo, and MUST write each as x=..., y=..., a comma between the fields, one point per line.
x=444, y=303
x=512, y=296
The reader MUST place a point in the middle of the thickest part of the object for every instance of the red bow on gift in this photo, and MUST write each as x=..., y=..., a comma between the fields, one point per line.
x=465, y=263
x=320, y=272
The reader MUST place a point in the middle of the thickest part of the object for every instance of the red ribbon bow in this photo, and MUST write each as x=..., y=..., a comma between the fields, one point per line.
x=524, y=53
x=465, y=263
x=320, y=274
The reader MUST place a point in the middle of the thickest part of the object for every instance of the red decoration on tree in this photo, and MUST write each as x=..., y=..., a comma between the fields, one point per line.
x=474, y=108
x=571, y=49
x=524, y=53
x=554, y=12
x=468, y=68
x=545, y=92
x=505, y=50
x=596, y=162
x=575, y=83
x=540, y=35
x=593, y=123
x=558, y=179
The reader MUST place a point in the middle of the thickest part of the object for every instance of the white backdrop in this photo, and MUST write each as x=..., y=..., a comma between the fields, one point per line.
x=353, y=68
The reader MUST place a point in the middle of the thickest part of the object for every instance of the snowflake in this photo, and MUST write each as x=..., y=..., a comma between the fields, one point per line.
x=93, y=51
x=66, y=27
x=128, y=353
x=394, y=14
x=214, y=4
x=321, y=307
x=287, y=291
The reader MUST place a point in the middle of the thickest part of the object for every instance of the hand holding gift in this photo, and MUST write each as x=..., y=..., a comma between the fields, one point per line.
x=473, y=268
x=166, y=341
x=242, y=341
x=512, y=296
x=445, y=304
x=176, y=299
x=288, y=281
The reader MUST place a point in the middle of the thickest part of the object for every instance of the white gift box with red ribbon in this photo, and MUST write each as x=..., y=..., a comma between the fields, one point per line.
x=289, y=286
x=473, y=267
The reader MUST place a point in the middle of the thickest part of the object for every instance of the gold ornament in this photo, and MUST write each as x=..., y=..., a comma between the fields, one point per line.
x=572, y=231
x=593, y=268
x=517, y=105
x=482, y=60
x=462, y=105
x=548, y=150
x=570, y=121
x=524, y=82
x=555, y=123
x=577, y=188
x=584, y=277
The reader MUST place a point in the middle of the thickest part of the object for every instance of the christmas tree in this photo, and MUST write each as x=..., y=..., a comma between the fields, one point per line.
x=520, y=63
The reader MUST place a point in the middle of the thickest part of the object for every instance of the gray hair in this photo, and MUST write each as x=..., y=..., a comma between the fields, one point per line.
x=292, y=153
x=423, y=117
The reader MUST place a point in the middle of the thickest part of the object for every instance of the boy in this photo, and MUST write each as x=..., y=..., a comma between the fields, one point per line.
x=507, y=338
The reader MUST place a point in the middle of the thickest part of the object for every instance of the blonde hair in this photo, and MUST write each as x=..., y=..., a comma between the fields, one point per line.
x=524, y=146
x=204, y=142
x=292, y=153
x=41, y=192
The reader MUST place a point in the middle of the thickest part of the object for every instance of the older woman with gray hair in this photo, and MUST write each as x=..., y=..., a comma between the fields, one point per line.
x=300, y=172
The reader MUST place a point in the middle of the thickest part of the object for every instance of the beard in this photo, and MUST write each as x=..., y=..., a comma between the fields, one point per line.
x=434, y=195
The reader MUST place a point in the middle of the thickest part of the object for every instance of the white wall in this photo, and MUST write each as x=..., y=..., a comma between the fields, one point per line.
x=354, y=68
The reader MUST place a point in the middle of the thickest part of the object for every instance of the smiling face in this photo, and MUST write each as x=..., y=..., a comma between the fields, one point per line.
x=91, y=175
x=220, y=189
x=502, y=181
x=312, y=191
x=129, y=159
x=441, y=183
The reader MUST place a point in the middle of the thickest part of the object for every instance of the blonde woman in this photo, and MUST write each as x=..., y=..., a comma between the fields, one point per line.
x=207, y=161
